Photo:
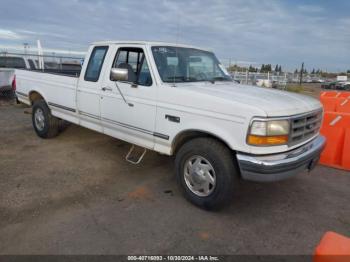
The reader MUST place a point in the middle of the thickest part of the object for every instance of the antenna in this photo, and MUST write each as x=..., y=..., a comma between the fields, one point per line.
x=177, y=40
x=25, y=46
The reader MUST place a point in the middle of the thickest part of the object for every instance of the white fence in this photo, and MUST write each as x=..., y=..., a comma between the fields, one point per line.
x=278, y=80
x=252, y=78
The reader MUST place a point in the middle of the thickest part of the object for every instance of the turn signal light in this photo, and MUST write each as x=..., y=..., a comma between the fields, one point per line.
x=267, y=140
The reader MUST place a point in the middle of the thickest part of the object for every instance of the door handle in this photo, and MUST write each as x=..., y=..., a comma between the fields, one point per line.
x=106, y=88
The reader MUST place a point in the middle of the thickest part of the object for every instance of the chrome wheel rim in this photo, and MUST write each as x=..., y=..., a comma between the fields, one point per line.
x=199, y=176
x=39, y=119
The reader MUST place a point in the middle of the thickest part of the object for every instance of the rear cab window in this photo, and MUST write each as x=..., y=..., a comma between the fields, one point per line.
x=95, y=64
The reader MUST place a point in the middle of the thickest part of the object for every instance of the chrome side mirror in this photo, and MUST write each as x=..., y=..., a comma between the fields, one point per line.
x=119, y=74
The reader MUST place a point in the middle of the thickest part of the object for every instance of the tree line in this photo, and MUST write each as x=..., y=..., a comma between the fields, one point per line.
x=313, y=72
x=320, y=72
x=278, y=69
x=263, y=69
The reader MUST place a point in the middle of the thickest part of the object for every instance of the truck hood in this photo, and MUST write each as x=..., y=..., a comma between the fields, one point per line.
x=272, y=102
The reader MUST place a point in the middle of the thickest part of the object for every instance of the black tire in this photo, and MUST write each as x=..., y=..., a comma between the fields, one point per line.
x=63, y=125
x=9, y=94
x=223, y=162
x=51, y=123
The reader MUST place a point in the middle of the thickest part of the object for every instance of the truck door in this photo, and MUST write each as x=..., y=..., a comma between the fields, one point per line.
x=133, y=121
x=89, y=88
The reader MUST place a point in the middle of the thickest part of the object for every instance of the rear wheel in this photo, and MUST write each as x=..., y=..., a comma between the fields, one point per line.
x=45, y=124
x=206, y=172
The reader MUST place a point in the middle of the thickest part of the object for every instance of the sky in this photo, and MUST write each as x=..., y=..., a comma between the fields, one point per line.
x=286, y=32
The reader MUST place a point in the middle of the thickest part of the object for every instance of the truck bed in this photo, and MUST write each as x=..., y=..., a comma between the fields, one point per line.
x=59, y=91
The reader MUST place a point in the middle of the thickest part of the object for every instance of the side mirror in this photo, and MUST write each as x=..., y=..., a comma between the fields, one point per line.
x=119, y=74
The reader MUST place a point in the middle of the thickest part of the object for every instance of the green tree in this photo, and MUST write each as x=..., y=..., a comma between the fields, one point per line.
x=235, y=67
x=277, y=68
x=313, y=71
x=262, y=69
x=267, y=68
x=280, y=69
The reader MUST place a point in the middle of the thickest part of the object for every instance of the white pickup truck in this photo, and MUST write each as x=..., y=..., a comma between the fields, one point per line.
x=179, y=100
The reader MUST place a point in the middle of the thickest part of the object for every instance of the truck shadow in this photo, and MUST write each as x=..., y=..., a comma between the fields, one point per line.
x=7, y=98
x=273, y=197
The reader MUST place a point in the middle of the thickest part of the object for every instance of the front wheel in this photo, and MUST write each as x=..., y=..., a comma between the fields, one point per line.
x=206, y=172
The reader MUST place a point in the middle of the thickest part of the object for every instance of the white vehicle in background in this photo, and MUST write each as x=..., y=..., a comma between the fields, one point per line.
x=264, y=83
x=7, y=80
x=17, y=61
x=7, y=65
x=342, y=78
x=179, y=100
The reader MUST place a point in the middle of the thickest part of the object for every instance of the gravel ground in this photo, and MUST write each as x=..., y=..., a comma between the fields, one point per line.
x=76, y=194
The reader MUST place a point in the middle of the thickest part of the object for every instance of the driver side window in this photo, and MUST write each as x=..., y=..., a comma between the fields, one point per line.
x=134, y=60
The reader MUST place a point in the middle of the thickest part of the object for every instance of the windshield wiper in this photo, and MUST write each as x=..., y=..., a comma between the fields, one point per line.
x=183, y=78
x=219, y=78
x=174, y=78
x=179, y=79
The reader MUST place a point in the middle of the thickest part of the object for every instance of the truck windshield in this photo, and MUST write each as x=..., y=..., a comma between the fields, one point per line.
x=179, y=64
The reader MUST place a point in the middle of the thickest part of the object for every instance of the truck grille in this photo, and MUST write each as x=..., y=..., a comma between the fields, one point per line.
x=305, y=127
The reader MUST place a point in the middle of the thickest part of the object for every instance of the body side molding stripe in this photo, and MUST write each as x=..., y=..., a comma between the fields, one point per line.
x=89, y=115
x=155, y=134
x=62, y=107
x=22, y=94
x=128, y=126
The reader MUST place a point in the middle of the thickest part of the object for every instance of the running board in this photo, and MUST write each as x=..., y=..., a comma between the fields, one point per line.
x=135, y=157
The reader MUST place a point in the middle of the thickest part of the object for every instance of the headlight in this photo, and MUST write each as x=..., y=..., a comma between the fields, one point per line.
x=265, y=133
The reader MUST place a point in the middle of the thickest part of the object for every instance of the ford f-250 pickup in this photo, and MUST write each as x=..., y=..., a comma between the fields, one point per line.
x=179, y=100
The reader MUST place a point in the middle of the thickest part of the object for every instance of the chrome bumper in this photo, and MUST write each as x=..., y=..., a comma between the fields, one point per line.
x=275, y=167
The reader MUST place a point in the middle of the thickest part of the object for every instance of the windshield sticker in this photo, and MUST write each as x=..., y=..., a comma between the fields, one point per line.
x=161, y=49
x=164, y=50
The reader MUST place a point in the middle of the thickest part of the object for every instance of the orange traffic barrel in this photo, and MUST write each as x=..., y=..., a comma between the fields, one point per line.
x=343, y=106
x=330, y=103
x=336, y=128
x=332, y=248
x=329, y=94
x=344, y=94
x=346, y=151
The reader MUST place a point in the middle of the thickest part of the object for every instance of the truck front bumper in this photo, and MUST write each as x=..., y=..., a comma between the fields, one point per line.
x=275, y=167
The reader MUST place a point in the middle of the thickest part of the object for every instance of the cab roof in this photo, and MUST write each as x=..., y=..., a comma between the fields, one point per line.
x=148, y=43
